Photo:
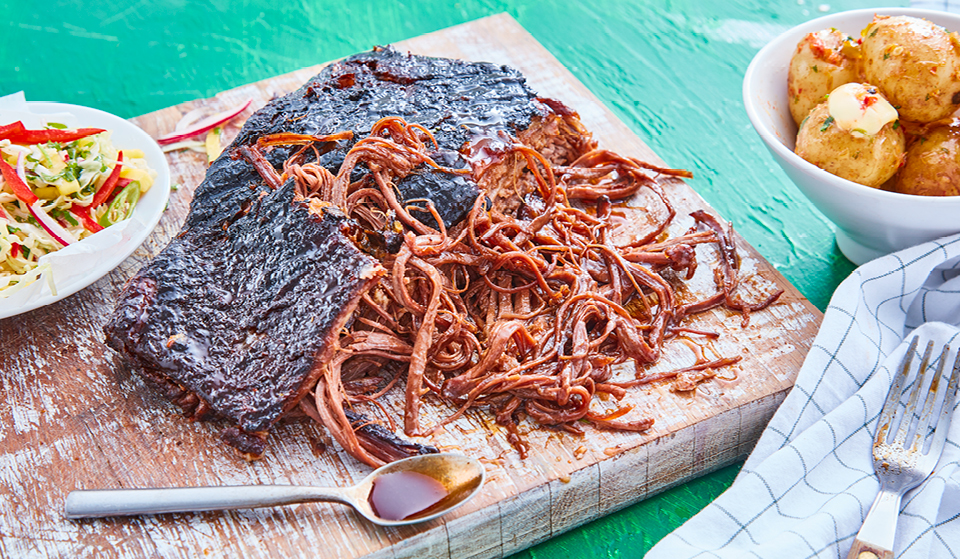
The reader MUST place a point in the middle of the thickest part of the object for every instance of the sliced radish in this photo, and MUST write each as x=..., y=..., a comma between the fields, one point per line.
x=203, y=125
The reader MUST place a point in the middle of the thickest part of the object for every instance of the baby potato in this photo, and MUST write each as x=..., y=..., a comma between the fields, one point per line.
x=822, y=61
x=915, y=63
x=855, y=135
x=933, y=163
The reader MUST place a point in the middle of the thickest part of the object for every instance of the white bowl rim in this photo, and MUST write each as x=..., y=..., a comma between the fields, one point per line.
x=774, y=143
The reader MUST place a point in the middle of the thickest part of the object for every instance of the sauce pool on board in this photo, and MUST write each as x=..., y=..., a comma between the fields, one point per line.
x=401, y=495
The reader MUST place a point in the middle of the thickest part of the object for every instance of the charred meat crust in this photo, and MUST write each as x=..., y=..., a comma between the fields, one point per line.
x=382, y=443
x=234, y=327
x=250, y=445
x=451, y=98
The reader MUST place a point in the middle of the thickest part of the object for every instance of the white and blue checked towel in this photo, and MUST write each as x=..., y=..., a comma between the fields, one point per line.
x=809, y=483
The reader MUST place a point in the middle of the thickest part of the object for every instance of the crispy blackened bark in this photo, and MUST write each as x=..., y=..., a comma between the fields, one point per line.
x=234, y=327
x=381, y=443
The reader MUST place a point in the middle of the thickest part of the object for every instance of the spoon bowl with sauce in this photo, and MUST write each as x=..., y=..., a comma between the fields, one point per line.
x=407, y=491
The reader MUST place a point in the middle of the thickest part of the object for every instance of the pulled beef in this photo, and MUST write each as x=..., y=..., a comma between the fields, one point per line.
x=233, y=319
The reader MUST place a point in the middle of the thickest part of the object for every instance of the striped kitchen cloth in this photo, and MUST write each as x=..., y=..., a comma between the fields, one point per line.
x=809, y=482
x=942, y=5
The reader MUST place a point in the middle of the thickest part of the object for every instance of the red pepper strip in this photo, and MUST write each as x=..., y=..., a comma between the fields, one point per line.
x=14, y=128
x=14, y=249
x=51, y=135
x=121, y=184
x=84, y=214
x=107, y=189
x=21, y=190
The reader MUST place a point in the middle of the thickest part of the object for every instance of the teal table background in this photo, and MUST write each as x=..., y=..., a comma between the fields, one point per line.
x=671, y=70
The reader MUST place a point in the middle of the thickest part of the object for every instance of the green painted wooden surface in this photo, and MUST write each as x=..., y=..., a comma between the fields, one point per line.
x=671, y=70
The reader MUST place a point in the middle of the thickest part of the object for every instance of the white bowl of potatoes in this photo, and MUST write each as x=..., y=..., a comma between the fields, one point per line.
x=869, y=108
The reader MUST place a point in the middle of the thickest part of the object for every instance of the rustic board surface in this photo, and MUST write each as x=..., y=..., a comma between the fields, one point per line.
x=72, y=416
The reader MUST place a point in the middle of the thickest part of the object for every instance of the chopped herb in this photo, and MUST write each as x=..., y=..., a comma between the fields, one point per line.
x=927, y=97
x=64, y=215
x=70, y=173
x=804, y=121
x=175, y=187
x=25, y=251
x=73, y=151
x=46, y=157
x=874, y=32
x=922, y=140
x=815, y=69
x=896, y=124
x=860, y=130
x=826, y=124
x=886, y=55
x=56, y=125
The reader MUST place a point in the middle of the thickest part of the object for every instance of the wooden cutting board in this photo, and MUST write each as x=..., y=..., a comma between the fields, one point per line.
x=72, y=416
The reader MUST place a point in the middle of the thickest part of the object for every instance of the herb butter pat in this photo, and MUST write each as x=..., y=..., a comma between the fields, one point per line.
x=860, y=108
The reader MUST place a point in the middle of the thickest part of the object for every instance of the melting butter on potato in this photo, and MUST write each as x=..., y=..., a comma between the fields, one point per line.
x=854, y=134
x=901, y=67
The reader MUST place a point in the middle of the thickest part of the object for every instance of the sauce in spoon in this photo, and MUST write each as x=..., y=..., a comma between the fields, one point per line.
x=402, y=495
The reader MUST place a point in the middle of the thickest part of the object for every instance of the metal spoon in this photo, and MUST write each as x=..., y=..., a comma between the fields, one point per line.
x=460, y=475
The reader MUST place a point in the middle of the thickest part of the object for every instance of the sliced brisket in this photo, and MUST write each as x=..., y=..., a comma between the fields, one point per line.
x=233, y=326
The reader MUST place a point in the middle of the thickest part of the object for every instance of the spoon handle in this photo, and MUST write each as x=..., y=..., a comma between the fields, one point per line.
x=125, y=502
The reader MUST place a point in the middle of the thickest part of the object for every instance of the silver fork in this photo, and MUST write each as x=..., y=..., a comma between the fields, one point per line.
x=900, y=466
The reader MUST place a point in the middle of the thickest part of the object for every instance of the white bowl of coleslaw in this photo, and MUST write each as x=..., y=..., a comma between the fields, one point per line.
x=83, y=262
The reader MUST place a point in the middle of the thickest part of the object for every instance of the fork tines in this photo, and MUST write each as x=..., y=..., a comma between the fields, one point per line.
x=915, y=423
x=901, y=468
